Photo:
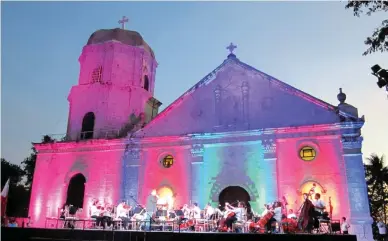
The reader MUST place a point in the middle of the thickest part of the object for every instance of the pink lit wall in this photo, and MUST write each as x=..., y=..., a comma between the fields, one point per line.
x=154, y=176
x=99, y=165
x=327, y=170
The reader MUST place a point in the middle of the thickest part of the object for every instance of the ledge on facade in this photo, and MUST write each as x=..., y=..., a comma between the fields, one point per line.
x=91, y=144
x=283, y=132
x=56, y=141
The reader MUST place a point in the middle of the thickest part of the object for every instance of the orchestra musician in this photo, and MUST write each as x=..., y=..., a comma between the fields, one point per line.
x=209, y=211
x=291, y=214
x=64, y=212
x=150, y=207
x=95, y=213
x=186, y=212
x=319, y=208
x=306, y=216
x=277, y=217
x=233, y=214
x=195, y=211
x=106, y=213
x=122, y=213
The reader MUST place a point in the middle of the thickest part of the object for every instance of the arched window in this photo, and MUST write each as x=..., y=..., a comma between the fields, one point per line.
x=76, y=191
x=146, y=85
x=88, y=126
x=168, y=161
x=97, y=74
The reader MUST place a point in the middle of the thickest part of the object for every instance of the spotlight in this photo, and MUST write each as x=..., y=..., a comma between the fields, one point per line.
x=381, y=74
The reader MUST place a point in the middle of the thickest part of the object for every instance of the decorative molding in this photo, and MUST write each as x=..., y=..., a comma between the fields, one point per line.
x=269, y=146
x=317, y=131
x=197, y=150
x=351, y=142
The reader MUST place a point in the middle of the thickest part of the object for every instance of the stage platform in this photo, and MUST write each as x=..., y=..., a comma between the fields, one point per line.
x=24, y=234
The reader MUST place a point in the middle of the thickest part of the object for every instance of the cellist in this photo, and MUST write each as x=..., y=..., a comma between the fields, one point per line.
x=306, y=216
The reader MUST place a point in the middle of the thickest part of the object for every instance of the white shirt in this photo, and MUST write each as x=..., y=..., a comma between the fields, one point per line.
x=121, y=211
x=239, y=213
x=320, y=204
x=291, y=215
x=345, y=226
x=186, y=212
x=197, y=212
x=382, y=228
x=94, y=211
x=209, y=211
x=278, y=214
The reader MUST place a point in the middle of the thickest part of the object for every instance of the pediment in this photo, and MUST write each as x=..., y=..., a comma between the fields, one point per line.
x=238, y=97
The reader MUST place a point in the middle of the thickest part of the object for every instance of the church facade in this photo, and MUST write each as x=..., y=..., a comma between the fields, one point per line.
x=237, y=134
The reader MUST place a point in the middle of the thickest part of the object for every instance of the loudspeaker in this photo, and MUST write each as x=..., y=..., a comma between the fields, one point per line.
x=336, y=226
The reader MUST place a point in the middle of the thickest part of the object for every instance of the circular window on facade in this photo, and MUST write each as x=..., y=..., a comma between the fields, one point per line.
x=168, y=161
x=307, y=153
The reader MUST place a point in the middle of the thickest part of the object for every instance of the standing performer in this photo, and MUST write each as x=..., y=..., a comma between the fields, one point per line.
x=306, y=217
x=152, y=199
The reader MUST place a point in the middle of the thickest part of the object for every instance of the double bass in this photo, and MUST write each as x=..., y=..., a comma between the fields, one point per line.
x=306, y=216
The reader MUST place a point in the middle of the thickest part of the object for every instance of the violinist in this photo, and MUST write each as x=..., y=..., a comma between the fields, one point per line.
x=95, y=213
x=196, y=211
x=186, y=211
x=122, y=213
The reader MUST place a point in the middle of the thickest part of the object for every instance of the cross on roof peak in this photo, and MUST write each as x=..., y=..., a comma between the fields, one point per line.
x=123, y=21
x=231, y=48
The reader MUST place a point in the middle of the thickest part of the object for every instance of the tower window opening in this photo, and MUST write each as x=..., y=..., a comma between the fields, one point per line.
x=88, y=126
x=97, y=74
x=146, y=85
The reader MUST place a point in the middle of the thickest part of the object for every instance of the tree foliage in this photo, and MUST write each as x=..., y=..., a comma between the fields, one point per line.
x=28, y=165
x=378, y=41
x=12, y=171
x=18, y=195
x=376, y=175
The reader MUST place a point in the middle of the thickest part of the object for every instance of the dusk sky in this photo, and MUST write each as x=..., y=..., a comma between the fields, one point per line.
x=314, y=46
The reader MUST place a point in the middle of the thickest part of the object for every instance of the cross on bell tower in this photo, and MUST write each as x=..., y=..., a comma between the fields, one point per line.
x=231, y=48
x=123, y=21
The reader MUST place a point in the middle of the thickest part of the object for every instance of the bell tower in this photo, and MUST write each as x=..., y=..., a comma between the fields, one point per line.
x=114, y=94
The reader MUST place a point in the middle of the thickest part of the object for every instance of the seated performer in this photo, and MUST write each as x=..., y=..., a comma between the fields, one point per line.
x=186, y=212
x=122, y=213
x=319, y=208
x=209, y=211
x=95, y=213
x=291, y=214
x=235, y=214
x=319, y=205
x=277, y=217
x=196, y=211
